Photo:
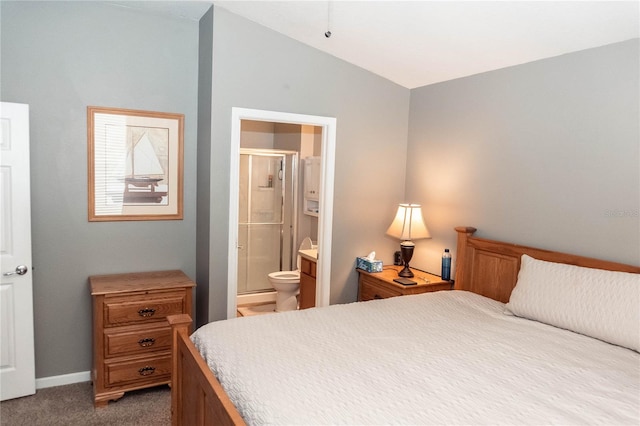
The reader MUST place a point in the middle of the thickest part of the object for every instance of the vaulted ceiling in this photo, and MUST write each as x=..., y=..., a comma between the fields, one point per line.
x=415, y=43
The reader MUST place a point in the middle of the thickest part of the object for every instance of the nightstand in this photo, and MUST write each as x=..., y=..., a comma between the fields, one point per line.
x=380, y=285
x=131, y=335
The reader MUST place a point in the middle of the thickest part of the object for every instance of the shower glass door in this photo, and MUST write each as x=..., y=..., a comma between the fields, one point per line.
x=265, y=224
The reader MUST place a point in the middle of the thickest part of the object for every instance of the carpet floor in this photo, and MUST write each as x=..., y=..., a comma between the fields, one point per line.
x=73, y=405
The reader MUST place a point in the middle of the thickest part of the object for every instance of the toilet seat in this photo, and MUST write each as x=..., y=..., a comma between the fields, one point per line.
x=287, y=283
x=285, y=276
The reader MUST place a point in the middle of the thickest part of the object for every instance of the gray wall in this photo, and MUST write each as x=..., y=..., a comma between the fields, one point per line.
x=543, y=154
x=254, y=67
x=60, y=57
x=204, y=149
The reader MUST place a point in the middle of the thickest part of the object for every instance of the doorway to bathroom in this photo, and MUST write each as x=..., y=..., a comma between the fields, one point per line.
x=320, y=225
x=267, y=221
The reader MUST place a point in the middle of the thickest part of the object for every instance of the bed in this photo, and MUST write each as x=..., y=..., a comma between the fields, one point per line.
x=527, y=336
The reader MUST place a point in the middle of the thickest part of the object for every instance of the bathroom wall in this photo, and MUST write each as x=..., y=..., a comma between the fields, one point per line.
x=307, y=140
x=257, y=134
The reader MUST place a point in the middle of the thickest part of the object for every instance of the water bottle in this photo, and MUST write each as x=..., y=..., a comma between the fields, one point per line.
x=446, y=265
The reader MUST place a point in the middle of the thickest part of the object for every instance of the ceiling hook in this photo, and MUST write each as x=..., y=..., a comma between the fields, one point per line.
x=327, y=34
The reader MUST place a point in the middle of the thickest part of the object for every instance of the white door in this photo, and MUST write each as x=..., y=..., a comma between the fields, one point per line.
x=17, y=366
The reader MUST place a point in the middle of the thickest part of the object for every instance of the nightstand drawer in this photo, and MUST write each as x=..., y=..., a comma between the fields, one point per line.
x=132, y=341
x=380, y=285
x=142, y=308
x=371, y=289
x=141, y=370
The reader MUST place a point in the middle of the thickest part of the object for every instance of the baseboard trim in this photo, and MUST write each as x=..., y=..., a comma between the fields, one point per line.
x=64, y=379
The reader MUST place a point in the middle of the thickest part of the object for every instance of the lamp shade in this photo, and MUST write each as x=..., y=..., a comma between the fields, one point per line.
x=408, y=223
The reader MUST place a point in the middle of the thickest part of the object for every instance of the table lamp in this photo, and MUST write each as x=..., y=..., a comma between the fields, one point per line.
x=408, y=225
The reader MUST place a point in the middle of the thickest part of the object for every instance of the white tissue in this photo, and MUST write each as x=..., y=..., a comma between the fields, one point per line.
x=371, y=256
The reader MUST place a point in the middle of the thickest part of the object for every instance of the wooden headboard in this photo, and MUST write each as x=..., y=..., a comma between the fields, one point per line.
x=490, y=268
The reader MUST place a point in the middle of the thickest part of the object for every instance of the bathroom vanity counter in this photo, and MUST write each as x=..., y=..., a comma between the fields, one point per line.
x=309, y=254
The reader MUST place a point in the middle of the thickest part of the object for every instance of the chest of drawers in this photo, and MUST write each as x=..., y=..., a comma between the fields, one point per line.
x=131, y=336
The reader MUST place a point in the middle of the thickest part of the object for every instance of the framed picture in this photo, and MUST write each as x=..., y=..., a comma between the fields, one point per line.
x=135, y=161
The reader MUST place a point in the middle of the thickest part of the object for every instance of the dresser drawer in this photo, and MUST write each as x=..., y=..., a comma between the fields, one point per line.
x=138, y=340
x=154, y=368
x=142, y=308
x=371, y=289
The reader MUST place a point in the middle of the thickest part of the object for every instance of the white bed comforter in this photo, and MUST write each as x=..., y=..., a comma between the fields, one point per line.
x=437, y=358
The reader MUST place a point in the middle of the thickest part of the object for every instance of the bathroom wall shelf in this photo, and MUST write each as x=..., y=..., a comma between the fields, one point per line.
x=311, y=186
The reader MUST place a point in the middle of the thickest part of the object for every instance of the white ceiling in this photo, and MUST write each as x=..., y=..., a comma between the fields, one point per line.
x=415, y=43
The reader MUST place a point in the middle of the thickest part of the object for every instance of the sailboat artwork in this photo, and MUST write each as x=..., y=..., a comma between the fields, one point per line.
x=135, y=167
x=144, y=171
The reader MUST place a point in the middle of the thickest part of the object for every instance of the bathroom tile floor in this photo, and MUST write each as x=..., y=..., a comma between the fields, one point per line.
x=256, y=309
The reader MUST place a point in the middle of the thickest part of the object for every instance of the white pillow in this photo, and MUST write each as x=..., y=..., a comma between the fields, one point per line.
x=594, y=302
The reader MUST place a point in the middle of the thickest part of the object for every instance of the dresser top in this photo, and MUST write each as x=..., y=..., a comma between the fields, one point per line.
x=138, y=281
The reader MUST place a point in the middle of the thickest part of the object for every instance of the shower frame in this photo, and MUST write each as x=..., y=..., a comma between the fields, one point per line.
x=293, y=234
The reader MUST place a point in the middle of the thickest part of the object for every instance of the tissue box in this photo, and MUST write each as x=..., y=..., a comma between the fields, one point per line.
x=368, y=265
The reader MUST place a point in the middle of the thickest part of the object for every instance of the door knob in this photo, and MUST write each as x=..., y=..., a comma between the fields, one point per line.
x=20, y=270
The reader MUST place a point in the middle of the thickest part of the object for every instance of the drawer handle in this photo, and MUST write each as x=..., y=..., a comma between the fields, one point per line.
x=147, y=371
x=146, y=312
x=377, y=296
x=149, y=341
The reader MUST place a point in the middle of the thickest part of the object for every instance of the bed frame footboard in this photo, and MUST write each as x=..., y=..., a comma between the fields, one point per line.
x=197, y=398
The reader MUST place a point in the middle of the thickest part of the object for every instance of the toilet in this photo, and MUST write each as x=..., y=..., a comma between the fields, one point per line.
x=287, y=283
